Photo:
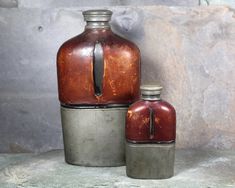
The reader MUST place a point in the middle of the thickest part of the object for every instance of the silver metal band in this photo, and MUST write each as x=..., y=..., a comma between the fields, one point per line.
x=150, y=97
x=97, y=25
x=151, y=142
x=93, y=106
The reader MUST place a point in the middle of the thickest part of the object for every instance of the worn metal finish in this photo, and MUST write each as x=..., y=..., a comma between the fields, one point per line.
x=150, y=92
x=98, y=15
x=98, y=68
x=150, y=161
x=151, y=123
x=97, y=25
x=97, y=18
x=94, y=137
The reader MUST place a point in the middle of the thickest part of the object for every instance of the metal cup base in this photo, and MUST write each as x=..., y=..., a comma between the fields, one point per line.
x=94, y=137
x=150, y=161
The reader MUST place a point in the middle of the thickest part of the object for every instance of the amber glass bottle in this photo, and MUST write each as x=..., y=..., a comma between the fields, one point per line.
x=151, y=120
x=98, y=67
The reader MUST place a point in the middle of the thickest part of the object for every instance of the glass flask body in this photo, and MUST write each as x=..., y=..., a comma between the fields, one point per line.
x=112, y=76
x=150, y=121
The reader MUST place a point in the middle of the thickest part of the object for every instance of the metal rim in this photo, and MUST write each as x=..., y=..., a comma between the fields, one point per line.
x=95, y=106
x=97, y=15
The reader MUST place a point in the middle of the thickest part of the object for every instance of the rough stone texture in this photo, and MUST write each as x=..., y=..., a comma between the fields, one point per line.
x=192, y=55
x=217, y=2
x=193, y=169
x=83, y=3
x=92, y=3
x=190, y=51
x=8, y=3
x=8, y=159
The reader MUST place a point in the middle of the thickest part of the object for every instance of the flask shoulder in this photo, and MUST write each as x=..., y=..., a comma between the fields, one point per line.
x=160, y=106
x=164, y=106
x=127, y=42
x=72, y=43
x=108, y=39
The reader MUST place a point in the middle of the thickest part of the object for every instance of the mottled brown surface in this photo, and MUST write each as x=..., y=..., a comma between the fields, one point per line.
x=138, y=122
x=121, y=78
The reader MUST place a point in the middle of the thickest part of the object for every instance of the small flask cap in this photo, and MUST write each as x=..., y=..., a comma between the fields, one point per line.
x=98, y=15
x=151, y=89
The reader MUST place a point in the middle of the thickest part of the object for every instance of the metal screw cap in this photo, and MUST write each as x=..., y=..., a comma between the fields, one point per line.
x=150, y=89
x=97, y=15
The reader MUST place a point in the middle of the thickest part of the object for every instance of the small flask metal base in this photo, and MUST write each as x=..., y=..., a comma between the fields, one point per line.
x=94, y=137
x=150, y=161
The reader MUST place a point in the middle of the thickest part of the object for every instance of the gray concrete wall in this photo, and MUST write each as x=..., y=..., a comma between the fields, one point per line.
x=186, y=48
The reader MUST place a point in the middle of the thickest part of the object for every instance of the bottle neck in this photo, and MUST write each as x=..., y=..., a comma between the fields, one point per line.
x=97, y=25
x=151, y=97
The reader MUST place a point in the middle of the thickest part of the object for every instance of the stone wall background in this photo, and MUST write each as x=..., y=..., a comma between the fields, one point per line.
x=187, y=48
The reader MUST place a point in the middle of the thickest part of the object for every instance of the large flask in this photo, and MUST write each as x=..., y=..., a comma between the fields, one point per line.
x=98, y=77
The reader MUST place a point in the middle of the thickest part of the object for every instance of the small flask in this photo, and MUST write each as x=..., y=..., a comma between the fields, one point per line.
x=150, y=136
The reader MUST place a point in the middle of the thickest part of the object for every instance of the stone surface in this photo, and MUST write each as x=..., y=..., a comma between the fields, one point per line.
x=91, y=3
x=189, y=50
x=8, y=3
x=217, y=2
x=193, y=169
